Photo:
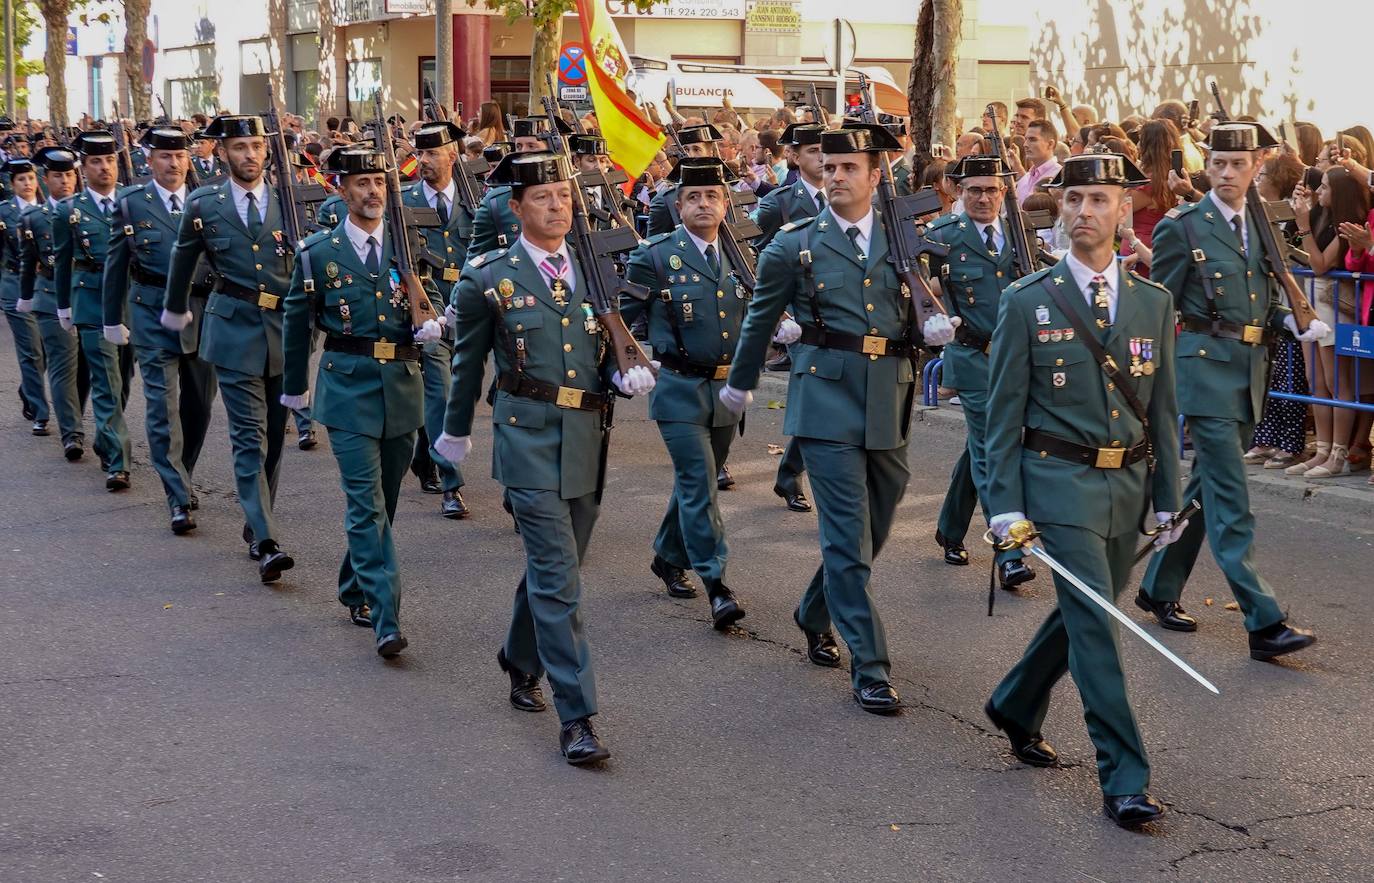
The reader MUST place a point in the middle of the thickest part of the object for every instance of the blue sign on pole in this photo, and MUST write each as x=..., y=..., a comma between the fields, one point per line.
x=71, y=41
x=1356, y=341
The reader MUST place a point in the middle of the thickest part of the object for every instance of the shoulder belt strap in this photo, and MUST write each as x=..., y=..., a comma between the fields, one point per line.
x=804, y=256
x=1207, y=286
x=666, y=296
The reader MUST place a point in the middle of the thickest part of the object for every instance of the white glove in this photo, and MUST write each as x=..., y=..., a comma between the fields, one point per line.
x=433, y=329
x=1164, y=538
x=450, y=315
x=64, y=318
x=637, y=381
x=453, y=448
x=1001, y=523
x=788, y=332
x=24, y=306
x=175, y=321
x=117, y=335
x=735, y=399
x=296, y=403
x=939, y=329
x=1315, y=331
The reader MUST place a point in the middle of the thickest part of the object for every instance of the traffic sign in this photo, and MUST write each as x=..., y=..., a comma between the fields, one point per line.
x=572, y=93
x=572, y=64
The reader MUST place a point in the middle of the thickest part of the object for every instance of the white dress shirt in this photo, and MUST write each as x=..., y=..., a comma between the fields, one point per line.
x=702, y=243
x=431, y=195
x=865, y=225
x=1227, y=213
x=997, y=236
x=22, y=204
x=538, y=255
x=357, y=237
x=101, y=198
x=241, y=200
x=1083, y=276
x=166, y=196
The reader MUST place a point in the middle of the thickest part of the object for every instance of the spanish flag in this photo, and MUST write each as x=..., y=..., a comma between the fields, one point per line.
x=631, y=140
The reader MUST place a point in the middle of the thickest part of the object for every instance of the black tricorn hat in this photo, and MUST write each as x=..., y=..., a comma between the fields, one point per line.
x=979, y=165
x=801, y=134
x=55, y=159
x=1240, y=136
x=355, y=161
x=432, y=135
x=536, y=127
x=18, y=167
x=1099, y=168
x=495, y=151
x=587, y=145
x=703, y=134
x=528, y=169
x=894, y=124
x=236, y=126
x=859, y=138
x=701, y=171
x=6, y=123
x=165, y=138
x=94, y=143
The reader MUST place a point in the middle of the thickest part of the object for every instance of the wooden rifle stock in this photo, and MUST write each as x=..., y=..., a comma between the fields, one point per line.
x=421, y=310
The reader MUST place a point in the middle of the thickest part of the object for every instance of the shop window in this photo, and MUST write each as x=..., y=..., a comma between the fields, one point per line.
x=364, y=79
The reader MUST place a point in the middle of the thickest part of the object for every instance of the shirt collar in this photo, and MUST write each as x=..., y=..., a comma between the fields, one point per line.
x=1083, y=274
x=537, y=254
x=241, y=193
x=1048, y=167
x=447, y=191
x=96, y=197
x=810, y=191
x=980, y=226
x=865, y=225
x=358, y=236
x=20, y=203
x=702, y=243
x=1227, y=213
x=168, y=194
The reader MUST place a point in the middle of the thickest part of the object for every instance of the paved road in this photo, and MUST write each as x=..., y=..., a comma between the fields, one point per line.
x=168, y=718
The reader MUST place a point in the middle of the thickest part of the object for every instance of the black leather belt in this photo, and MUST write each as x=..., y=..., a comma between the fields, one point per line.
x=867, y=344
x=380, y=350
x=262, y=299
x=1100, y=458
x=143, y=277
x=965, y=336
x=1255, y=335
x=527, y=387
x=86, y=266
x=689, y=368
x=11, y=268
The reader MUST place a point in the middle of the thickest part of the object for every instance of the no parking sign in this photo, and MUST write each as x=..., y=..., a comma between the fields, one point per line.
x=572, y=65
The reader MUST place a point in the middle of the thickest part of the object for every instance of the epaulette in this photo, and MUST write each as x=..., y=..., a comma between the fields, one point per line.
x=487, y=256
x=1179, y=211
x=795, y=225
x=1148, y=283
x=943, y=221
x=314, y=238
x=206, y=190
x=659, y=237
x=1025, y=281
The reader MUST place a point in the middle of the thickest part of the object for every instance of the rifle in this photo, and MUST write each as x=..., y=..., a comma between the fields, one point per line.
x=421, y=310
x=596, y=251
x=291, y=194
x=163, y=107
x=468, y=173
x=905, y=229
x=1023, y=258
x=125, y=161
x=1277, y=252
x=608, y=183
x=821, y=114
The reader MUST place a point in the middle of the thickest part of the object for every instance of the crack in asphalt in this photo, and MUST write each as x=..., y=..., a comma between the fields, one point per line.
x=62, y=679
x=1265, y=845
x=1315, y=783
x=1230, y=826
x=1314, y=812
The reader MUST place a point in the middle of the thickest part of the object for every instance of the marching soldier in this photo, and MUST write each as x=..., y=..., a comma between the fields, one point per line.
x=28, y=341
x=142, y=230
x=205, y=163
x=850, y=397
x=236, y=226
x=1210, y=256
x=368, y=390
x=697, y=141
x=81, y=236
x=979, y=265
x=36, y=294
x=551, y=416
x=495, y=225
x=696, y=305
x=1085, y=449
x=436, y=149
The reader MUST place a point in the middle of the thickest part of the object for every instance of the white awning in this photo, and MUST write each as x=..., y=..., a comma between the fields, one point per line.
x=710, y=90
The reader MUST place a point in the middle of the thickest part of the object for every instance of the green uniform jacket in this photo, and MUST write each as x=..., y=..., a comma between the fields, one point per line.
x=81, y=233
x=782, y=205
x=447, y=244
x=355, y=393
x=11, y=248
x=663, y=216
x=37, y=258
x=235, y=334
x=207, y=168
x=331, y=213
x=1056, y=386
x=708, y=313
x=972, y=281
x=536, y=444
x=833, y=394
x=901, y=177
x=495, y=225
x=1217, y=377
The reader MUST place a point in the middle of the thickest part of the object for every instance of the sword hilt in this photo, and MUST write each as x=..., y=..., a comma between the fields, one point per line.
x=1019, y=534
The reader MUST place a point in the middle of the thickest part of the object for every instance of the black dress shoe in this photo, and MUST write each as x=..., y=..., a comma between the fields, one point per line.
x=453, y=505
x=724, y=480
x=428, y=474
x=40, y=427
x=821, y=648
x=73, y=451
x=525, y=694
x=677, y=581
x=1132, y=810
x=1029, y=748
x=183, y=522
x=955, y=553
x=360, y=615
x=796, y=502
x=1168, y=614
x=1278, y=639
x=195, y=503
x=1011, y=574
x=306, y=440
x=117, y=481
x=273, y=561
x=878, y=698
x=580, y=744
x=390, y=646
x=725, y=608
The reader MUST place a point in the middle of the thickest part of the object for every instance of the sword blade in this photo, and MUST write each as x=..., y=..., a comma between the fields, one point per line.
x=1120, y=617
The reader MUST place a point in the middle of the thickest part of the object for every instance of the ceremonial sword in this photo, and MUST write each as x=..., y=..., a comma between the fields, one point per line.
x=1174, y=521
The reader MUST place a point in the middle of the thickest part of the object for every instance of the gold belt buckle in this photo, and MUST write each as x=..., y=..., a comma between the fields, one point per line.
x=382, y=350
x=268, y=301
x=451, y=274
x=1253, y=334
x=569, y=397
x=722, y=372
x=875, y=346
x=1110, y=458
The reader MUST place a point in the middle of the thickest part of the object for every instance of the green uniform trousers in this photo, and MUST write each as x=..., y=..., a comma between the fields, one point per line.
x=692, y=534
x=28, y=349
x=162, y=420
x=856, y=493
x=107, y=402
x=546, y=624
x=790, y=469
x=60, y=352
x=1218, y=480
x=257, y=425
x=968, y=483
x=960, y=500
x=370, y=471
x=1081, y=638
x=198, y=387
x=437, y=371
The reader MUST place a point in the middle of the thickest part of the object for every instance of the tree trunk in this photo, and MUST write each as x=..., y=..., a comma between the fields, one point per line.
x=329, y=43
x=921, y=84
x=55, y=58
x=548, y=37
x=276, y=54
x=949, y=31
x=135, y=34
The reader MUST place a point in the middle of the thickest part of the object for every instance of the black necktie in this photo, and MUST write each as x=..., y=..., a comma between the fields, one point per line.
x=1101, y=304
x=991, y=243
x=853, y=234
x=1239, y=226
x=176, y=204
x=254, y=219
x=713, y=261
x=105, y=204
x=374, y=260
x=820, y=200
x=441, y=206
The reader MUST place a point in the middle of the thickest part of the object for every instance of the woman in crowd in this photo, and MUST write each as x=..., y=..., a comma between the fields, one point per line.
x=1309, y=142
x=1158, y=139
x=933, y=175
x=491, y=126
x=1360, y=259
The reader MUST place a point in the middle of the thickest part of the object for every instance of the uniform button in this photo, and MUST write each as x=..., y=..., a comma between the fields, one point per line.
x=255, y=246
x=381, y=318
x=510, y=419
x=572, y=373
x=450, y=248
x=1252, y=296
x=1111, y=387
x=873, y=331
x=567, y=347
x=1218, y=275
x=722, y=314
x=1249, y=273
x=999, y=274
x=1044, y=454
x=1202, y=352
x=329, y=365
x=720, y=294
x=813, y=369
x=873, y=357
x=725, y=335
x=1058, y=362
x=565, y=321
x=1115, y=413
x=1116, y=442
x=820, y=286
x=868, y=307
x=258, y=266
x=867, y=283
x=262, y=286
x=519, y=327
x=970, y=300
x=379, y=294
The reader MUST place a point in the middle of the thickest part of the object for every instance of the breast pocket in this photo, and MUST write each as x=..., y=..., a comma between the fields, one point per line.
x=1067, y=372
x=218, y=245
x=518, y=321
x=829, y=282
x=148, y=240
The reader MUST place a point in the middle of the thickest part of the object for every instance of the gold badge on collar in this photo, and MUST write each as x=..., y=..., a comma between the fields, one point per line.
x=506, y=287
x=675, y=262
x=331, y=270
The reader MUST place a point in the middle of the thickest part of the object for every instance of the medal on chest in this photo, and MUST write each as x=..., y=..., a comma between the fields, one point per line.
x=398, y=292
x=346, y=315
x=589, y=323
x=560, y=294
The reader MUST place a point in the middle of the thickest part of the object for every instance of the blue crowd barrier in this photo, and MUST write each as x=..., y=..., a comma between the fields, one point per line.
x=1354, y=340
x=930, y=383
